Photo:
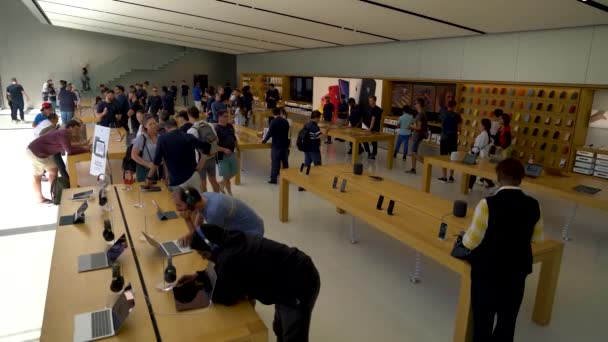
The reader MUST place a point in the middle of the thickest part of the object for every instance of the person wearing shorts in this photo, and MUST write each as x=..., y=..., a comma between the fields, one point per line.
x=227, y=143
x=450, y=127
x=420, y=132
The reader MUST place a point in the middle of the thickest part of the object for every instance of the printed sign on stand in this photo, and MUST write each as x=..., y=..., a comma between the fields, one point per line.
x=100, y=150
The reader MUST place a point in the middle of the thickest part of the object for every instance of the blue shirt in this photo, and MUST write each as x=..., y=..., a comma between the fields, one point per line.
x=405, y=121
x=196, y=93
x=231, y=214
x=216, y=106
x=39, y=118
x=67, y=100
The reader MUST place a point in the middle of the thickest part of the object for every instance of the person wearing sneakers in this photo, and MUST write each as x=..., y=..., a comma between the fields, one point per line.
x=421, y=132
x=227, y=144
x=450, y=128
x=405, y=122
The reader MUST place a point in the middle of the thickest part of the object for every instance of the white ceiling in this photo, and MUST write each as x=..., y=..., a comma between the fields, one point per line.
x=249, y=26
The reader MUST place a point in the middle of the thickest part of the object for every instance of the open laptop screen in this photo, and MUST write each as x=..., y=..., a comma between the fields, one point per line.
x=122, y=307
x=117, y=248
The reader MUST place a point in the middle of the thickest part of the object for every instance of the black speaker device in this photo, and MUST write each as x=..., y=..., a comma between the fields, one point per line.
x=103, y=197
x=118, y=282
x=391, y=207
x=460, y=209
x=380, y=201
x=170, y=271
x=358, y=168
x=107, y=233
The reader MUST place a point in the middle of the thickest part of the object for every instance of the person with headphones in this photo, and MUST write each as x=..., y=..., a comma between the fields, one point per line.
x=215, y=208
x=256, y=268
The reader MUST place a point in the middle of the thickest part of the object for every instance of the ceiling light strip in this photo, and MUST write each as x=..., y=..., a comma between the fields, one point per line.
x=421, y=16
x=160, y=31
x=226, y=22
x=172, y=24
x=306, y=19
x=149, y=35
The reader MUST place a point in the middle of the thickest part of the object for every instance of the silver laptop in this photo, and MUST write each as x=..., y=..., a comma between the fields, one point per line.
x=169, y=248
x=105, y=259
x=96, y=325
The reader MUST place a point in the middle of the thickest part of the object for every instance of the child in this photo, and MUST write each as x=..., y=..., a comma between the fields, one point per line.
x=405, y=131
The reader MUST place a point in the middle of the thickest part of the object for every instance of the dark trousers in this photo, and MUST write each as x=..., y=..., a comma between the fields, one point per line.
x=17, y=106
x=374, y=150
x=278, y=157
x=499, y=297
x=185, y=98
x=63, y=171
x=292, y=322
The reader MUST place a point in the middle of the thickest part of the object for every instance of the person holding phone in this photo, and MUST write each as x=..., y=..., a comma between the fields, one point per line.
x=501, y=256
x=256, y=268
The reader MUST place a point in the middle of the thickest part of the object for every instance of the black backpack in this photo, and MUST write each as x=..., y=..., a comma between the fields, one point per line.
x=128, y=164
x=303, y=141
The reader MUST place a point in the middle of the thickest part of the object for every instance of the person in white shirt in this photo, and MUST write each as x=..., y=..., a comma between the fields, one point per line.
x=47, y=125
x=495, y=124
x=482, y=145
x=45, y=90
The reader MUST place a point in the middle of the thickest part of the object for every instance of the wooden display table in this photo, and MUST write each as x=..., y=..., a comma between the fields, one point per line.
x=562, y=187
x=248, y=140
x=70, y=293
x=116, y=150
x=416, y=223
x=358, y=136
x=218, y=323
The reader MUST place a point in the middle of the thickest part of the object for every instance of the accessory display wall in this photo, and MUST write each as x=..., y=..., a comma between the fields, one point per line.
x=543, y=118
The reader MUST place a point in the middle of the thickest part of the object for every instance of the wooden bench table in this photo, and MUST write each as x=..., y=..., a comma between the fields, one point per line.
x=217, y=323
x=416, y=223
x=70, y=293
x=562, y=187
x=248, y=140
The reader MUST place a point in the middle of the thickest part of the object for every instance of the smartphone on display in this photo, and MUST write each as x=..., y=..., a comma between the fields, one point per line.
x=344, y=88
x=443, y=229
x=391, y=207
x=335, y=183
x=380, y=201
x=368, y=88
x=343, y=186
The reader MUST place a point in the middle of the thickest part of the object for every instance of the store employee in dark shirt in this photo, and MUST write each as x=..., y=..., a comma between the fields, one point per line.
x=355, y=118
x=328, y=114
x=154, y=102
x=256, y=268
x=372, y=121
x=178, y=150
x=15, y=94
x=272, y=96
x=108, y=112
x=279, y=153
x=168, y=101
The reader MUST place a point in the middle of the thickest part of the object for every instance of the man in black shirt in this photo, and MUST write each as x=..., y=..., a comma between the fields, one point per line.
x=278, y=131
x=168, y=101
x=108, y=113
x=15, y=94
x=155, y=102
x=272, y=96
x=256, y=268
x=141, y=94
x=227, y=91
x=183, y=121
x=185, y=90
x=122, y=103
x=355, y=119
x=174, y=90
x=227, y=143
x=328, y=114
x=248, y=102
x=372, y=121
x=178, y=150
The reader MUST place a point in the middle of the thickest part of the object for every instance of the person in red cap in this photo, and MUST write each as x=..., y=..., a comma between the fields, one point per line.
x=44, y=114
x=256, y=268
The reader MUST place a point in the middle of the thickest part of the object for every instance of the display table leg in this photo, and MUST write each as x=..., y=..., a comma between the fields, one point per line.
x=353, y=231
x=464, y=183
x=283, y=200
x=547, y=286
x=463, y=326
x=415, y=278
x=355, y=156
x=389, y=154
x=566, y=229
x=237, y=178
x=427, y=172
x=340, y=211
x=72, y=172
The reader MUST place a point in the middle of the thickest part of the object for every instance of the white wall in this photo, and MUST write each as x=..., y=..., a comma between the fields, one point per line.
x=576, y=55
x=33, y=52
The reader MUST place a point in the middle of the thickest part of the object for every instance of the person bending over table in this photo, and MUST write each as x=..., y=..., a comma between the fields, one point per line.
x=500, y=237
x=178, y=150
x=255, y=268
x=215, y=208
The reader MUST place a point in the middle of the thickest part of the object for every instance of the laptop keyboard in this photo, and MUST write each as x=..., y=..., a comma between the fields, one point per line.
x=171, y=248
x=102, y=323
x=99, y=260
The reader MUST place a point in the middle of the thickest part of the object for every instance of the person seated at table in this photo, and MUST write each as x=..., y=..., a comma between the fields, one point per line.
x=42, y=150
x=178, y=151
x=500, y=237
x=227, y=144
x=144, y=148
x=278, y=131
x=215, y=208
x=256, y=268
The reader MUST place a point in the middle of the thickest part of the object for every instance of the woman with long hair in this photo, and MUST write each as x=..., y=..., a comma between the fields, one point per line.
x=144, y=147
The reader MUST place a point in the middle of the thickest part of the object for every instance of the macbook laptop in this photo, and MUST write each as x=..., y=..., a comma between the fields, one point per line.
x=164, y=215
x=169, y=248
x=96, y=325
x=95, y=261
x=533, y=170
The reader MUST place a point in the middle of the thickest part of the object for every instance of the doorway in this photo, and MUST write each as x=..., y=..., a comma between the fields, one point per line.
x=202, y=79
